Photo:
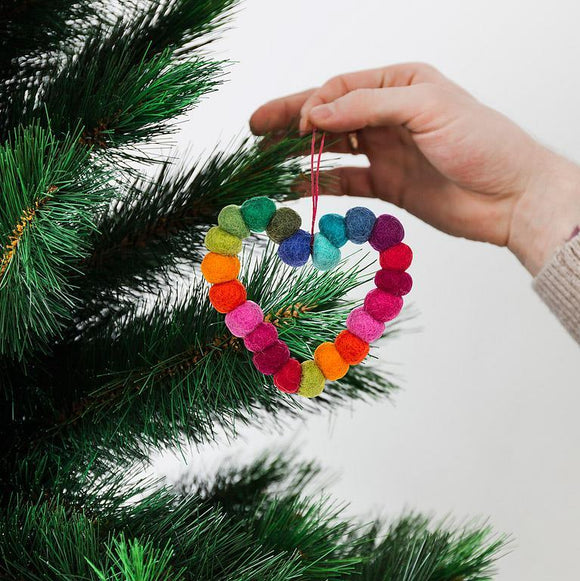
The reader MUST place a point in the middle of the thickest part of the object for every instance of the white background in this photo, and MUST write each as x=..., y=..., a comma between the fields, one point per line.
x=487, y=422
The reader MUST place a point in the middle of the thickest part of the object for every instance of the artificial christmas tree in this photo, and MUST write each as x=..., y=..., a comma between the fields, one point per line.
x=99, y=364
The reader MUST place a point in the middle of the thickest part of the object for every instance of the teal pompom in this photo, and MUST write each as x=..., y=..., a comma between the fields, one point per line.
x=258, y=212
x=324, y=254
x=333, y=226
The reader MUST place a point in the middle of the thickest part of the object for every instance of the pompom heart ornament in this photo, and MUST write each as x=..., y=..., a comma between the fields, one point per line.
x=245, y=319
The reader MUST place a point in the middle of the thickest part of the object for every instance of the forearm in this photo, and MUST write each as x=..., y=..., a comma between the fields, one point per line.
x=547, y=216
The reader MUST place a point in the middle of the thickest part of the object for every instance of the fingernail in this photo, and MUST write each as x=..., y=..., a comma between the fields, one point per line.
x=322, y=112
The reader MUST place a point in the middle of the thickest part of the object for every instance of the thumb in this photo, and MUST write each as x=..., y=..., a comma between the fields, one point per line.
x=411, y=106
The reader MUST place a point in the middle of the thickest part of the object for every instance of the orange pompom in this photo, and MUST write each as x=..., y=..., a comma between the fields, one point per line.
x=226, y=296
x=328, y=359
x=218, y=268
x=351, y=348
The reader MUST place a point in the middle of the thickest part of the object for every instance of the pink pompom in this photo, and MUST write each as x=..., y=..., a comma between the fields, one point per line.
x=365, y=327
x=272, y=358
x=261, y=337
x=382, y=306
x=394, y=282
x=244, y=319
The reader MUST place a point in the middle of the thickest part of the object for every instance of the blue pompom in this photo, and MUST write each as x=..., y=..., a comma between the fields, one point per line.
x=295, y=250
x=359, y=224
x=324, y=254
x=333, y=227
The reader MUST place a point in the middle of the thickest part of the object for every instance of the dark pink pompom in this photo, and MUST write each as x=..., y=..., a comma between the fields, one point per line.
x=394, y=282
x=261, y=337
x=382, y=306
x=272, y=358
x=387, y=232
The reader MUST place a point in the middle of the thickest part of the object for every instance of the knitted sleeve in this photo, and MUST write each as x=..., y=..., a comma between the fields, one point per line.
x=558, y=284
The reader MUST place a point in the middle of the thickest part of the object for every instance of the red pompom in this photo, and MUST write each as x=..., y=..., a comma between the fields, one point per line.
x=382, y=306
x=397, y=257
x=394, y=282
x=287, y=378
x=351, y=348
x=226, y=296
x=272, y=358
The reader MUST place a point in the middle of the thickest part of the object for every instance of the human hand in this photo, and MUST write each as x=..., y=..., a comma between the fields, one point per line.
x=437, y=152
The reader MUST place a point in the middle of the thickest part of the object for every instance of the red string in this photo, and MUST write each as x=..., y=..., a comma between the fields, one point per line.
x=315, y=179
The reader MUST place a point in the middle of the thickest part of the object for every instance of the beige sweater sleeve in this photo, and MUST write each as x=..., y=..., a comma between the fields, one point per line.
x=558, y=284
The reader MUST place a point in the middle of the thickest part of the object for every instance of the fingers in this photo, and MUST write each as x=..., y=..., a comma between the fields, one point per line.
x=347, y=181
x=278, y=114
x=417, y=107
x=399, y=75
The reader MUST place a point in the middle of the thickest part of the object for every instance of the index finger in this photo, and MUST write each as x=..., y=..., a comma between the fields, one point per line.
x=399, y=75
x=279, y=113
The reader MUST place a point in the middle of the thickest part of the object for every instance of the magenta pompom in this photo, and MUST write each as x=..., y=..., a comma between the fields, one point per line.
x=394, y=282
x=382, y=306
x=365, y=327
x=244, y=319
x=272, y=358
x=261, y=337
x=387, y=232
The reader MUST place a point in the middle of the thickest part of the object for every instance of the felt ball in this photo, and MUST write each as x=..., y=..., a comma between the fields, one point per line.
x=365, y=327
x=351, y=348
x=333, y=227
x=287, y=378
x=324, y=254
x=261, y=337
x=218, y=268
x=328, y=359
x=387, y=232
x=258, y=212
x=283, y=224
x=313, y=380
x=272, y=358
x=359, y=224
x=394, y=282
x=295, y=250
x=231, y=220
x=222, y=242
x=226, y=296
x=398, y=257
x=244, y=319
x=382, y=306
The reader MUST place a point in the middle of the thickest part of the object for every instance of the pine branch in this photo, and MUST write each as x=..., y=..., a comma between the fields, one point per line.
x=49, y=199
x=174, y=373
x=159, y=225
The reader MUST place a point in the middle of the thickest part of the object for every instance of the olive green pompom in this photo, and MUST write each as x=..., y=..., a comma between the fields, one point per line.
x=312, y=382
x=258, y=212
x=283, y=224
x=220, y=241
x=231, y=220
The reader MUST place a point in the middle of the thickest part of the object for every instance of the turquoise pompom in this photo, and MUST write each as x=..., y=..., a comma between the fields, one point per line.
x=333, y=227
x=324, y=254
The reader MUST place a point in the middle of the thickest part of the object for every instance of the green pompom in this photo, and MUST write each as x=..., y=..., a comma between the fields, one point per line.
x=258, y=212
x=324, y=254
x=312, y=382
x=222, y=242
x=231, y=220
x=283, y=224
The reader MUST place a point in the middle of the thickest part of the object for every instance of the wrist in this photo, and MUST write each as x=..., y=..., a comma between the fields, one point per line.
x=547, y=214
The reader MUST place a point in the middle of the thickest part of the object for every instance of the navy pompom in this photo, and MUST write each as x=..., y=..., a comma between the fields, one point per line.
x=359, y=224
x=295, y=251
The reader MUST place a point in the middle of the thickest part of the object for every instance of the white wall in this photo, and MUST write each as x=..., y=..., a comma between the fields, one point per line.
x=487, y=421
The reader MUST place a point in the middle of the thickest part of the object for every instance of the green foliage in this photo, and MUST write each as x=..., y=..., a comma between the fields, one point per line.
x=50, y=194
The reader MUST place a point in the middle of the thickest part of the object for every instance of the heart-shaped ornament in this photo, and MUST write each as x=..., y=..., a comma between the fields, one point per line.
x=245, y=319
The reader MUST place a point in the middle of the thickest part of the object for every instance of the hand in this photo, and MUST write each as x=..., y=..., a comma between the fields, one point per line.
x=437, y=152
